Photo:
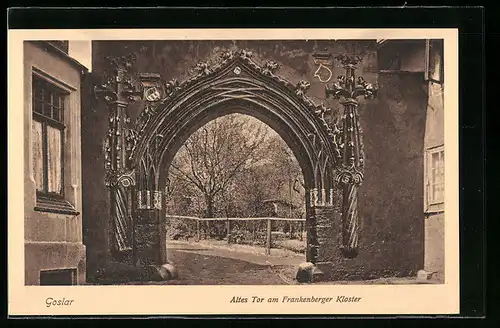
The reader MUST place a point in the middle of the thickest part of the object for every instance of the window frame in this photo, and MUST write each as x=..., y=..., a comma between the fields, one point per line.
x=47, y=121
x=433, y=206
x=50, y=201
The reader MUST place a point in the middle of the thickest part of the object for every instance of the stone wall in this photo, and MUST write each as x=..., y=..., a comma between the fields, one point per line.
x=435, y=245
x=390, y=200
x=95, y=197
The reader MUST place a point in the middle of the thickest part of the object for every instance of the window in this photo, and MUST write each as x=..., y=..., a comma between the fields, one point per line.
x=434, y=60
x=435, y=176
x=48, y=138
x=62, y=277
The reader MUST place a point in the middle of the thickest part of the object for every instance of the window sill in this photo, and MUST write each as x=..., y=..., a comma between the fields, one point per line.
x=58, y=206
x=434, y=208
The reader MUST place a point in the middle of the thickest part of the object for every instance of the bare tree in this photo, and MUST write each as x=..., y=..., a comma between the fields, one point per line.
x=213, y=157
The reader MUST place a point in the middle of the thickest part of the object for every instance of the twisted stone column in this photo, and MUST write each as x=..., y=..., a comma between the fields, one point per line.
x=350, y=221
x=350, y=177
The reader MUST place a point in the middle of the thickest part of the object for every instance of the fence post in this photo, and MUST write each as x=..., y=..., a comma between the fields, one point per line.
x=268, y=244
x=198, y=237
x=228, y=230
x=301, y=230
x=253, y=231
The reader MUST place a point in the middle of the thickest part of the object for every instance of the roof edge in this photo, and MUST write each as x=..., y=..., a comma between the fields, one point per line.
x=46, y=45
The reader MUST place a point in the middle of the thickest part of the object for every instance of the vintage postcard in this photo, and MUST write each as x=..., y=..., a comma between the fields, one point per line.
x=228, y=171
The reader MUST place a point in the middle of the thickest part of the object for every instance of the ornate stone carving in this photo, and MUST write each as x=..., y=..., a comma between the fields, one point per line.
x=126, y=179
x=270, y=67
x=302, y=87
x=171, y=87
x=349, y=60
x=226, y=59
x=227, y=55
x=120, y=86
x=323, y=60
x=131, y=140
x=119, y=82
x=314, y=197
x=203, y=68
x=365, y=89
x=157, y=197
x=350, y=173
x=245, y=54
x=346, y=85
x=349, y=176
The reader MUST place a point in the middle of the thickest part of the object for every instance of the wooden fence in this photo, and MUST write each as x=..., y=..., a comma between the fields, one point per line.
x=228, y=226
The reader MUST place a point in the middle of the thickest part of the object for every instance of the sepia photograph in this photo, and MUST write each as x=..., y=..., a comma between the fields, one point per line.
x=234, y=161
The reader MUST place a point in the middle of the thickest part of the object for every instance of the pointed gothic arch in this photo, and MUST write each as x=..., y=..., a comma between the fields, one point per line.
x=239, y=85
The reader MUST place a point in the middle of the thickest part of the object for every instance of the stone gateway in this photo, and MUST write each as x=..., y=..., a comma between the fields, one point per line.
x=328, y=147
x=358, y=141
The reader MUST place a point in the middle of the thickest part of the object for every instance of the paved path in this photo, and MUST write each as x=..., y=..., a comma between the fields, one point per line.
x=200, y=265
x=236, y=252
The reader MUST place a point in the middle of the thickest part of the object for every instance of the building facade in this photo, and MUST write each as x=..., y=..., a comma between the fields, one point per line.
x=54, y=249
x=423, y=61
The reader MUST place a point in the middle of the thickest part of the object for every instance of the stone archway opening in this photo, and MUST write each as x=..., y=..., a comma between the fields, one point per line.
x=236, y=168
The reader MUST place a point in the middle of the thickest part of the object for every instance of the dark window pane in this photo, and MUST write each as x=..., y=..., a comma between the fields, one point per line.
x=61, y=102
x=37, y=92
x=47, y=110
x=38, y=107
x=48, y=99
x=56, y=112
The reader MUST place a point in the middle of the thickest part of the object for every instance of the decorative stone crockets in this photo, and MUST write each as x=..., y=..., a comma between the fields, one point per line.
x=331, y=145
x=203, y=71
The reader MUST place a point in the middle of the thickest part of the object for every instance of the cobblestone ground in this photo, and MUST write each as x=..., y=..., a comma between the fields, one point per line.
x=198, y=269
x=204, y=264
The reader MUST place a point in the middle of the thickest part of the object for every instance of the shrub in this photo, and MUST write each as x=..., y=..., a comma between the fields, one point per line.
x=293, y=245
x=179, y=229
x=241, y=236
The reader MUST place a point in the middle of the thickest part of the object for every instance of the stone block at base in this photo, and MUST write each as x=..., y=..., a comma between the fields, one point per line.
x=305, y=272
x=119, y=273
x=422, y=275
x=168, y=272
x=308, y=273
